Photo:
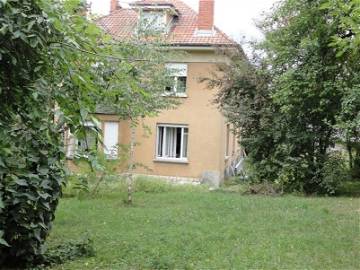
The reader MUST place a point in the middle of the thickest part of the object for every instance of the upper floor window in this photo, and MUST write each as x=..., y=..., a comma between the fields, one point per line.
x=178, y=82
x=153, y=20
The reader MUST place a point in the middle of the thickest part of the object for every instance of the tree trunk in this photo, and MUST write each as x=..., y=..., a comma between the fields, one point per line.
x=130, y=173
x=349, y=149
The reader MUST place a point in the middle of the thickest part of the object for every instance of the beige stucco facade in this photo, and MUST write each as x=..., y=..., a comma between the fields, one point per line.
x=208, y=135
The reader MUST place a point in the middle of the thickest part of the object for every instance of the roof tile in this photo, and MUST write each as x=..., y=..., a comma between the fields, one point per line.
x=122, y=23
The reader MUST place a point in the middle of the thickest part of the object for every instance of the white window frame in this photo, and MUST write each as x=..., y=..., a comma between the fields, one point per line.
x=163, y=157
x=177, y=70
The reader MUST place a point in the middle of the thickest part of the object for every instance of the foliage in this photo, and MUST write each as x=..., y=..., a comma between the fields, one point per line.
x=118, y=184
x=88, y=178
x=350, y=189
x=31, y=168
x=347, y=44
x=56, y=67
x=69, y=251
x=334, y=173
x=347, y=40
x=180, y=230
x=295, y=99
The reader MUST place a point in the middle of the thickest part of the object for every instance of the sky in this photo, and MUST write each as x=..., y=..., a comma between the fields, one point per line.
x=235, y=17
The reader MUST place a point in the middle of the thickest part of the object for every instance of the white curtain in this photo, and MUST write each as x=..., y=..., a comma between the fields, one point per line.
x=185, y=142
x=171, y=140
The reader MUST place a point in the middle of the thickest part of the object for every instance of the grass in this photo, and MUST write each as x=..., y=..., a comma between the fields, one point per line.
x=191, y=228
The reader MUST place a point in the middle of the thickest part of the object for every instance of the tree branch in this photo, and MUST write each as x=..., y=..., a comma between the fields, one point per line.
x=102, y=55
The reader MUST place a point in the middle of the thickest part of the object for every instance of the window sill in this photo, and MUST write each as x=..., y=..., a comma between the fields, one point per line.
x=171, y=160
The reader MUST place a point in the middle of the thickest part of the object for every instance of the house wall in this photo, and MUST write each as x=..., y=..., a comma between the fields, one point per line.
x=207, y=125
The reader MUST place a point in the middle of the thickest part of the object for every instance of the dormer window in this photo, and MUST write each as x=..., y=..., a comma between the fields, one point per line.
x=153, y=20
x=156, y=17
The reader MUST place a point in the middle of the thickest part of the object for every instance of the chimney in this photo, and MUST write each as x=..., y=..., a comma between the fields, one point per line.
x=114, y=5
x=206, y=15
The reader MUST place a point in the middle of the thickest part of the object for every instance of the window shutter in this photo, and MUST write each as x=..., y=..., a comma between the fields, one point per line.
x=111, y=139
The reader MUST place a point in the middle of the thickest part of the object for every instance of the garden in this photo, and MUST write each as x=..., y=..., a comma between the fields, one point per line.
x=294, y=103
x=190, y=227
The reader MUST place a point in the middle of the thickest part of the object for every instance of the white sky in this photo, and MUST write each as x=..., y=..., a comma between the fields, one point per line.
x=234, y=17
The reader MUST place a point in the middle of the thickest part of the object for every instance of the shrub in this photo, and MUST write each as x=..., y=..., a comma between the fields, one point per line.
x=334, y=173
x=88, y=178
x=69, y=251
x=30, y=188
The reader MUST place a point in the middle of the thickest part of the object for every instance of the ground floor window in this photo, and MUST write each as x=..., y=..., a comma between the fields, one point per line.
x=89, y=140
x=83, y=143
x=172, y=142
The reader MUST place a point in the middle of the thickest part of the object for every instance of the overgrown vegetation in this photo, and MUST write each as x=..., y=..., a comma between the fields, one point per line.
x=68, y=251
x=56, y=68
x=299, y=97
x=118, y=184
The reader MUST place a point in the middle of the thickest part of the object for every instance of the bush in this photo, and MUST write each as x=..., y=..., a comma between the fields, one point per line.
x=334, y=173
x=30, y=189
x=69, y=251
x=89, y=178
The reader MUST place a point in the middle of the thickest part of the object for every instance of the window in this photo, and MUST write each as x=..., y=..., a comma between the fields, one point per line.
x=111, y=139
x=89, y=143
x=152, y=20
x=89, y=140
x=178, y=75
x=172, y=142
x=83, y=143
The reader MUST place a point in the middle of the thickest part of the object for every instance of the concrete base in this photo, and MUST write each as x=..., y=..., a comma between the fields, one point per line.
x=173, y=179
x=212, y=179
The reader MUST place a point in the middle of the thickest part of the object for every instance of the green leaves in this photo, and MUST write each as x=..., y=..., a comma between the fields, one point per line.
x=2, y=241
x=289, y=123
x=21, y=182
x=55, y=64
x=347, y=13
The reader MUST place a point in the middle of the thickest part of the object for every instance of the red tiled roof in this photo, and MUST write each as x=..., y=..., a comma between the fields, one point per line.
x=122, y=22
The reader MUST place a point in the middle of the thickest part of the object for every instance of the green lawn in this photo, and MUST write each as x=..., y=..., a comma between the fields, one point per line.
x=196, y=229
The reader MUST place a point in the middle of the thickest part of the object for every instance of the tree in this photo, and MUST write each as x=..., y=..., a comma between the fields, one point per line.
x=303, y=85
x=56, y=67
x=347, y=44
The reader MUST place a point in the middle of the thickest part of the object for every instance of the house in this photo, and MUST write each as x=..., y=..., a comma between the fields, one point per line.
x=194, y=140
